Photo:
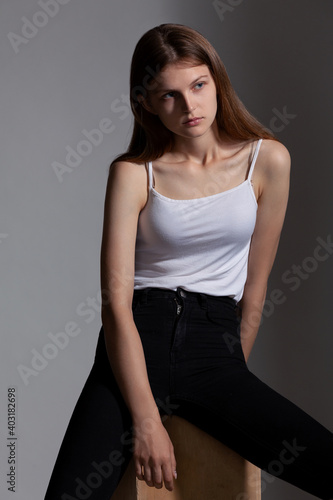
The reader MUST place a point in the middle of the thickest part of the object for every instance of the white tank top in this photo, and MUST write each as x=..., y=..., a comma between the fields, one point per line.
x=201, y=244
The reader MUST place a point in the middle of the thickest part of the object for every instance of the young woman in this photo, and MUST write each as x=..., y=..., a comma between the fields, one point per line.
x=193, y=216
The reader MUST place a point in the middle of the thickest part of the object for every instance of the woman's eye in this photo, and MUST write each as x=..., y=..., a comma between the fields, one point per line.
x=168, y=95
x=199, y=86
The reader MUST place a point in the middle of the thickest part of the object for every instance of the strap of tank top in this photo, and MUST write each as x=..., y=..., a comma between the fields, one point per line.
x=255, y=156
x=150, y=174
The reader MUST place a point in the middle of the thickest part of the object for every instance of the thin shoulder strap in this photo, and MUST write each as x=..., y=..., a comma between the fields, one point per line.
x=255, y=156
x=150, y=174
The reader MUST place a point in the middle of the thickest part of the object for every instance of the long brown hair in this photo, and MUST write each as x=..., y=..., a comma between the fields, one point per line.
x=170, y=43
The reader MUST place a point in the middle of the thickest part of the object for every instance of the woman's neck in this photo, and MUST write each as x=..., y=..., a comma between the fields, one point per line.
x=204, y=149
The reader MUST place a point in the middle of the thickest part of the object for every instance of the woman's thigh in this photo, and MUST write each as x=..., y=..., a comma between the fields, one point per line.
x=196, y=366
x=268, y=430
x=96, y=447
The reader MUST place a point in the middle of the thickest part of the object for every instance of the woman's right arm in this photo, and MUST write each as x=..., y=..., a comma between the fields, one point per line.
x=126, y=195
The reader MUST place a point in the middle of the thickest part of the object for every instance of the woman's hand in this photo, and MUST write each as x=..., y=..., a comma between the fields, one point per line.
x=153, y=454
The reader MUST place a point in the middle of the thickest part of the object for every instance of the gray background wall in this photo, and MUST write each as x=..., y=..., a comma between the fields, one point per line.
x=70, y=73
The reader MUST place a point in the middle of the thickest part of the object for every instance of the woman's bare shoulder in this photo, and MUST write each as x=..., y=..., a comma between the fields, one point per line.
x=130, y=179
x=274, y=159
x=123, y=167
x=275, y=153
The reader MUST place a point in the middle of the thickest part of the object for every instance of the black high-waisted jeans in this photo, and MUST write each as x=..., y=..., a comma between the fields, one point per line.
x=197, y=370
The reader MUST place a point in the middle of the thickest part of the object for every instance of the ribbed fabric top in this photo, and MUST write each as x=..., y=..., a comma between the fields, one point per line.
x=200, y=244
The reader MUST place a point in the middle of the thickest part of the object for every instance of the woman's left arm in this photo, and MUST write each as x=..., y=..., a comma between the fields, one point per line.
x=273, y=187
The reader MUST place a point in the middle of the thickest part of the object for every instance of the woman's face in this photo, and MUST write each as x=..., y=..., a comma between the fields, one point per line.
x=184, y=98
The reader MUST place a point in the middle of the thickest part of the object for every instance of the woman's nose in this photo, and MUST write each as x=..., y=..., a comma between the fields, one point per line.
x=187, y=104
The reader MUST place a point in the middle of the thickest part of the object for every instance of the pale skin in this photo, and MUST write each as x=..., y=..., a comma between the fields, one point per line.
x=204, y=161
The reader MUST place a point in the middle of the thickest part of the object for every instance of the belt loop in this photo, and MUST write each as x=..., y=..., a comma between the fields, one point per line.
x=180, y=292
x=203, y=301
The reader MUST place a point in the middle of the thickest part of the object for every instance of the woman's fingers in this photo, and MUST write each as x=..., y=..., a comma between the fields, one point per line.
x=169, y=471
x=154, y=457
x=174, y=465
x=139, y=471
x=147, y=475
x=155, y=476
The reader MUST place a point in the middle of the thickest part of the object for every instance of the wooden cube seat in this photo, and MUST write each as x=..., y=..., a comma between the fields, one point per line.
x=206, y=469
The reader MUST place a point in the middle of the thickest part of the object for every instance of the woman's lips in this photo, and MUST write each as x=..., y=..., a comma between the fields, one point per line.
x=193, y=121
